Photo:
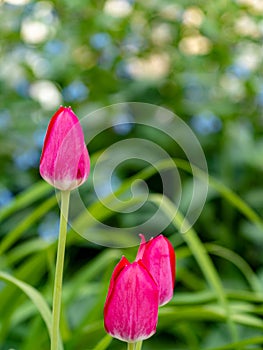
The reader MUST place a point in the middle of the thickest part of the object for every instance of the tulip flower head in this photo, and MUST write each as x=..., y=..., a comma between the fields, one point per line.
x=159, y=258
x=131, y=307
x=64, y=162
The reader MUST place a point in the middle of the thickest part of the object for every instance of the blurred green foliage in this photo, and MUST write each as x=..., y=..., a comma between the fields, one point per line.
x=200, y=59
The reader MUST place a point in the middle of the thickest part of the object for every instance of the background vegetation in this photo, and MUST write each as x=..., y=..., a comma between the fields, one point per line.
x=203, y=61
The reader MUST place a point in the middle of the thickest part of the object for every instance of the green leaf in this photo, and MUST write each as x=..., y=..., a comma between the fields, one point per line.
x=249, y=341
x=199, y=252
x=29, y=220
x=35, y=297
x=104, y=343
x=23, y=200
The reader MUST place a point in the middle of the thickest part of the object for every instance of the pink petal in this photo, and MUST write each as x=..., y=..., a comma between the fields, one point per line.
x=64, y=162
x=141, y=247
x=159, y=259
x=131, y=309
x=121, y=264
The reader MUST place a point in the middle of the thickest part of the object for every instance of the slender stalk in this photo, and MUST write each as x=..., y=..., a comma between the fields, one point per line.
x=59, y=269
x=139, y=345
x=130, y=346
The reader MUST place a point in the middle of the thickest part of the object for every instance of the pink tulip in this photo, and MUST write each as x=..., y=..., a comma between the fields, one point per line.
x=159, y=258
x=64, y=162
x=131, y=308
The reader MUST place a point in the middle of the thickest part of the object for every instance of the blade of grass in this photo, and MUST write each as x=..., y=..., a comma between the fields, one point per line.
x=239, y=262
x=30, y=219
x=242, y=343
x=101, y=212
x=29, y=196
x=92, y=269
x=224, y=191
x=10, y=298
x=23, y=250
x=199, y=252
x=208, y=296
x=210, y=312
x=232, y=257
x=104, y=343
x=35, y=297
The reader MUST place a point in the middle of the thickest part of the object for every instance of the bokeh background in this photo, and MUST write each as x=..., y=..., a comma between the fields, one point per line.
x=200, y=59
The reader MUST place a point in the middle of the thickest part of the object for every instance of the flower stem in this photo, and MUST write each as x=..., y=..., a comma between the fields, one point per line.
x=138, y=345
x=59, y=269
x=131, y=346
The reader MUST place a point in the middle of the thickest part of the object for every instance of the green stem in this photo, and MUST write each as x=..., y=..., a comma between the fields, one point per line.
x=130, y=346
x=59, y=269
x=138, y=345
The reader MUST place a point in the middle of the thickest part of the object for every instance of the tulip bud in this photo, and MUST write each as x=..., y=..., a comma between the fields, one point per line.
x=159, y=258
x=64, y=162
x=131, y=307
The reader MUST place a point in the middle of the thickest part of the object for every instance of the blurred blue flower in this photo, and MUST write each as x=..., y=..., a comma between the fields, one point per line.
x=133, y=44
x=5, y=196
x=194, y=91
x=122, y=70
x=206, y=123
x=49, y=227
x=106, y=188
x=28, y=8
x=26, y=160
x=39, y=136
x=99, y=40
x=5, y=119
x=123, y=124
x=107, y=58
x=259, y=97
x=22, y=87
x=76, y=91
x=55, y=47
x=239, y=71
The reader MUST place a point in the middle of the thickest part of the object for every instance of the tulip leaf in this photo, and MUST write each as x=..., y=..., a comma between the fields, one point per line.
x=210, y=312
x=16, y=233
x=231, y=256
x=29, y=196
x=35, y=297
x=239, y=344
x=104, y=343
x=201, y=255
x=101, y=212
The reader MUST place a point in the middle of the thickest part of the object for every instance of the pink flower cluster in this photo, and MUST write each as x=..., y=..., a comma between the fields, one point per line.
x=137, y=290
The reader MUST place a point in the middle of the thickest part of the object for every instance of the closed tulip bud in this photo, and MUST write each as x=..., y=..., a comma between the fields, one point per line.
x=131, y=307
x=64, y=162
x=159, y=258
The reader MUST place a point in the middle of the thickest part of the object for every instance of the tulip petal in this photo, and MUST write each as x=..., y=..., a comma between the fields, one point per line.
x=64, y=162
x=131, y=309
x=159, y=259
x=122, y=263
x=141, y=248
